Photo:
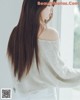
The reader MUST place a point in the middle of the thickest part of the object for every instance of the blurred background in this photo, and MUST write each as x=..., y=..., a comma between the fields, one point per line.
x=66, y=20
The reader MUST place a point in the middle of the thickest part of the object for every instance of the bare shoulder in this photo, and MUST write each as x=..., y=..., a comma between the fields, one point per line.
x=52, y=33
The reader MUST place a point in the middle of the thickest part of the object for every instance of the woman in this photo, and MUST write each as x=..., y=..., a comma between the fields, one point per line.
x=33, y=49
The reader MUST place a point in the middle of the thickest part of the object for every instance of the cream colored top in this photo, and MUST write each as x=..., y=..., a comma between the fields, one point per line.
x=53, y=72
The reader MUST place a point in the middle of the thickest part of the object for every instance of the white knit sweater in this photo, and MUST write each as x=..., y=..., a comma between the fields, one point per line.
x=53, y=73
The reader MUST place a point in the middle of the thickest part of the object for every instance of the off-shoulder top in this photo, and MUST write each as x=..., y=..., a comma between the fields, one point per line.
x=52, y=70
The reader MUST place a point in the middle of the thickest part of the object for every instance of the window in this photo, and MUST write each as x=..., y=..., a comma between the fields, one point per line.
x=76, y=58
x=69, y=25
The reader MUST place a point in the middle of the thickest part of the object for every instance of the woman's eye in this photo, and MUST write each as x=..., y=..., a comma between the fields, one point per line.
x=50, y=5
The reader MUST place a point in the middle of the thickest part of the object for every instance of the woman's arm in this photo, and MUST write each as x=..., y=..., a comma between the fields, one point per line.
x=64, y=76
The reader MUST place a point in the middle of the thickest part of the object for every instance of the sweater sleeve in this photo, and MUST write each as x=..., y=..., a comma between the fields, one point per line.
x=61, y=75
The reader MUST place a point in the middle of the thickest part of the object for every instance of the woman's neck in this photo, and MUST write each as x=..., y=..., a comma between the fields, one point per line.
x=42, y=28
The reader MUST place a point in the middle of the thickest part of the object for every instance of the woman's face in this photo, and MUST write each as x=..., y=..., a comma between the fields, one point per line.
x=47, y=12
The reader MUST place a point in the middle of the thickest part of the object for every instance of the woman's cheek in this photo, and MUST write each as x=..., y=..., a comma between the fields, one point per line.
x=46, y=13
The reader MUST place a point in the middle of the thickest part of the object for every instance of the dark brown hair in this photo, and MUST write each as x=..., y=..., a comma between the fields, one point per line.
x=23, y=39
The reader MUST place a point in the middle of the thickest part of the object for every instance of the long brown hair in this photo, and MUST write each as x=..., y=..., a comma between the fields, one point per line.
x=23, y=39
